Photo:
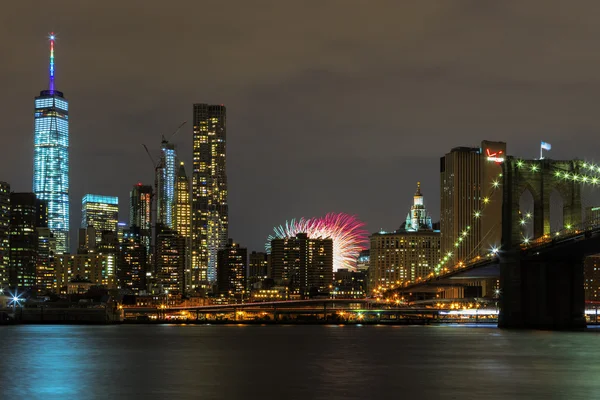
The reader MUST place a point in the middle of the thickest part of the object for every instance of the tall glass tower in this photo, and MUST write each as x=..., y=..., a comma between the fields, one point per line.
x=51, y=157
x=210, y=212
x=166, y=181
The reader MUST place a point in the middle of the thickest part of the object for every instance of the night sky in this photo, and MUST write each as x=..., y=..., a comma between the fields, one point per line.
x=333, y=106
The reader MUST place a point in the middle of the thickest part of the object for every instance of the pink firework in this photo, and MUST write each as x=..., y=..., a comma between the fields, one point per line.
x=345, y=230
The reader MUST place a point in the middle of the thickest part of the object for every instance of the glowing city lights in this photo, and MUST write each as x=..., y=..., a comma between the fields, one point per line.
x=346, y=231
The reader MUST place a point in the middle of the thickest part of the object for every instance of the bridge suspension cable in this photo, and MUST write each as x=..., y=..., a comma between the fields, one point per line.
x=485, y=201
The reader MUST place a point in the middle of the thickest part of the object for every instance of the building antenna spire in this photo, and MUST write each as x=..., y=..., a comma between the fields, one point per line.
x=52, y=38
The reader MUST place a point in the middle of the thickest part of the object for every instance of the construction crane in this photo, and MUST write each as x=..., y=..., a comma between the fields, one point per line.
x=174, y=133
x=154, y=199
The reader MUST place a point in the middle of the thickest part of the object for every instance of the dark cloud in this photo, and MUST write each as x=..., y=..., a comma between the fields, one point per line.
x=332, y=105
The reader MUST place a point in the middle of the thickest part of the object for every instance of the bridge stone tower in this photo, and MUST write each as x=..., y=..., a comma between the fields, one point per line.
x=544, y=292
x=539, y=177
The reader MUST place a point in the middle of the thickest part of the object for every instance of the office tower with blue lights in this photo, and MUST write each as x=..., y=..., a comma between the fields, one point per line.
x=100, y=212
x=51, y=157
x=210, y=215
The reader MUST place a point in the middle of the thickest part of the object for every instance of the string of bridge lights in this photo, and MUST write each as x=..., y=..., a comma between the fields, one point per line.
x=533, y=167
x=465, y=233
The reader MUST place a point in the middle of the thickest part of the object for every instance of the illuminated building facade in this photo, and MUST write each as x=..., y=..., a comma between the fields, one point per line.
x=101, y=212
x=44, y=270
x=182, y=219
x=27, y=213
x=210, y=215
x=170, y=261
x=132, y=261
x=400, y=257
x=232, y=266
x=468, y=179
x=349, y=284
x=591, y=275
x=4, y=230
x=418, y=218
x=51, y=157
x=166, y=182
x=258, y=267
x=99, y=269
x=140, y=214
x=302, y=264
x=406, y=255
x=592, y=215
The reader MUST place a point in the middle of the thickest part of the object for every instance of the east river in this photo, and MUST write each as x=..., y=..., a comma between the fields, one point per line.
x=296, y=362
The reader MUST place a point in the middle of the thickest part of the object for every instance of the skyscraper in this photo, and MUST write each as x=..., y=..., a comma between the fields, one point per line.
x=468, y=179
x=140, y=214
x=51, y=157
x=27, y=213
x=182, y=219
x=132, y=262
x=209, y=192
x=170, y=261
x=101, y=212
x=4, y=229
x=44, y=271
x=166, y=176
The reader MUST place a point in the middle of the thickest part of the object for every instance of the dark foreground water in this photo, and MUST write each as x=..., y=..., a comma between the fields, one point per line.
x=296, y=362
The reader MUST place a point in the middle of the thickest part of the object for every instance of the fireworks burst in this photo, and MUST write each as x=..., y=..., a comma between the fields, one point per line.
x=345, y=230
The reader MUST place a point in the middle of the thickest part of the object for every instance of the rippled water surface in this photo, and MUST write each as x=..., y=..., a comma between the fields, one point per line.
x=296, y=362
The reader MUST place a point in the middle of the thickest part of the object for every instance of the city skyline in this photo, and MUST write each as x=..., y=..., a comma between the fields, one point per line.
x=263, y=127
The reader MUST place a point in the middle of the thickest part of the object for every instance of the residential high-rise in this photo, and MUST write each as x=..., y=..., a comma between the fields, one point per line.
x=170, y=261
x=140, y=214
x=166, y=177
x=4, y=230
x=406, y=255
x=232, y=266
x=210, y=215
x=469, y=178
x=44, y=270
x=182, y=216
x=101, y=212
x=303, y=264
x=27, y=213
x=51, y=157
x=132, y=261
x=182, y=219
x=258, y=267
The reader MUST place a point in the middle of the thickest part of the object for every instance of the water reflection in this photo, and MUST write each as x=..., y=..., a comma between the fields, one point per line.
x=295, y=362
